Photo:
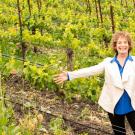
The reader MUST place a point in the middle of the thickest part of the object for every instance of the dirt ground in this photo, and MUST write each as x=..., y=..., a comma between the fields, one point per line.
x=79, y=115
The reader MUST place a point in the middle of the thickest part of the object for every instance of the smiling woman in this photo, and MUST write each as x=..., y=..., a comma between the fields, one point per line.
x=122, y=43
x=122, y=46
x=117, y=96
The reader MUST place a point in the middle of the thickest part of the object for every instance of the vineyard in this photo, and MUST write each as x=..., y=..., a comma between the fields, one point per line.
x=42, y=38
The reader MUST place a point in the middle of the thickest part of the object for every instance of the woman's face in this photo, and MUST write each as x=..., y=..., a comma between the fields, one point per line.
x=122, y=45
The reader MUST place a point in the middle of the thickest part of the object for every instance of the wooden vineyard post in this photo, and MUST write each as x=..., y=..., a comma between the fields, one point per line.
x=20, y=20
x=23, y=46
x=112, y=18
x=96, y=9
x=39, y=4
x=89, y=6
x=134, y=3
x=100, y=11
x=70, y=53
x=121, y=1
x=29, y=6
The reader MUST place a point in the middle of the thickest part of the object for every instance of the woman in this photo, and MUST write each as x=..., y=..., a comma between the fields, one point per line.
x=118, y=93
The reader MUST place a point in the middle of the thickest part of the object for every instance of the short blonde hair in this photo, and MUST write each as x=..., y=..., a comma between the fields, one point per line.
x=119, y=34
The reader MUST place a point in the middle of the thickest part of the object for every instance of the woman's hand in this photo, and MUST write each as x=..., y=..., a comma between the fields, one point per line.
x=60, y=78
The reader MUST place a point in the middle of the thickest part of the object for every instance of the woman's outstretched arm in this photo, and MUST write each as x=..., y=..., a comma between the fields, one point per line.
x=84, y=72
